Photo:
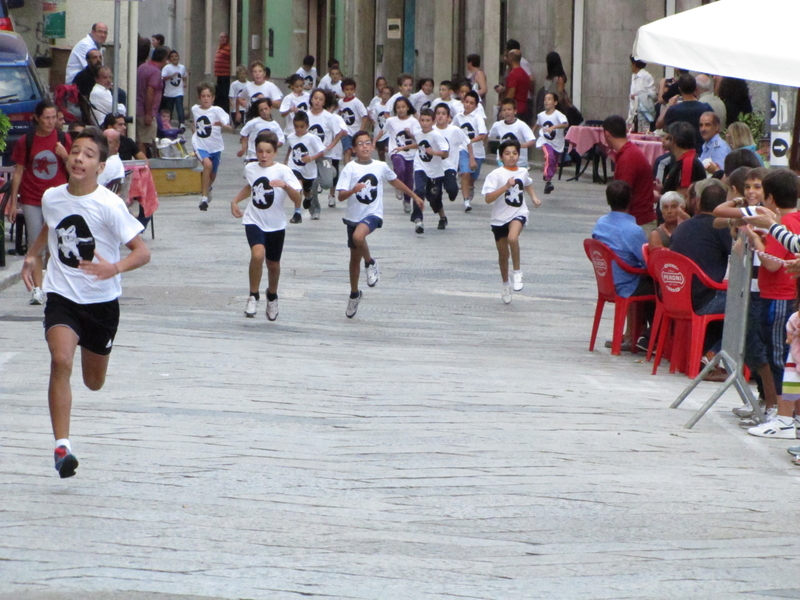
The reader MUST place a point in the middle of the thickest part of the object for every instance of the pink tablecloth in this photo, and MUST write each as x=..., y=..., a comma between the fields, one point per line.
x=584, y=138
x=143, y=189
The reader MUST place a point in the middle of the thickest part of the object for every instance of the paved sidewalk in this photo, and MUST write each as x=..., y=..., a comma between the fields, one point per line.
x=438, y=445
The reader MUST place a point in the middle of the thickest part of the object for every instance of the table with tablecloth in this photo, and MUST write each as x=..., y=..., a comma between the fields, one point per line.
x=142, y=188
x=585, y=138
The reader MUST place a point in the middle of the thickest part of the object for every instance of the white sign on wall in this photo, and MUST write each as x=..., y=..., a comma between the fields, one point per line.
x=780, y=143
x=394, y=29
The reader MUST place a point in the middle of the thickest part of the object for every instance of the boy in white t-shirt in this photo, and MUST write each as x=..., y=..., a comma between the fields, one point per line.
x=506, y=187
x=378, y=112
x=551, y=124
x=458, y=142
x=308, y=72
x=405, y=83
x=446, y=90
x=361, y=185
x=208, y=121
x=429, y=169
x=353, y=113
x=305, y=150
x=85, y=224
x=174, y=76
x=473, y=125
x=236, y=96
x=268, y=185
x=260, y=85
x=325, y=82
x=259, y=118
x=512, y=128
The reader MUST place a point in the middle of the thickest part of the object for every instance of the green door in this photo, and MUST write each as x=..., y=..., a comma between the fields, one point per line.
x=278, y=38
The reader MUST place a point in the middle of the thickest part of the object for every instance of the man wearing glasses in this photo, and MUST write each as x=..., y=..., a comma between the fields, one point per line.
x=77, y=58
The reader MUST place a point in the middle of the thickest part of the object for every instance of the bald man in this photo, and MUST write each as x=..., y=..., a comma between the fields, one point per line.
x=101, y=97
x=518, y=84
x=77, y=58
x=114, y=169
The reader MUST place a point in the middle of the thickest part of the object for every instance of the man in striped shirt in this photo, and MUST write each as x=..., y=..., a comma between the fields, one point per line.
x=222, y=71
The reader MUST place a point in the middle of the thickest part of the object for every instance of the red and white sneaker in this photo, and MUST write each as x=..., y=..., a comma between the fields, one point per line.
x=66, y=463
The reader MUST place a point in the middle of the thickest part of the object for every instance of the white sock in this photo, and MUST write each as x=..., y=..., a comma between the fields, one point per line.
x=517, y=271
x=785, y=420
x=64, y=442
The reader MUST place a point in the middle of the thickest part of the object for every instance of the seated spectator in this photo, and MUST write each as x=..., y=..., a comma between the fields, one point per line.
x=715, y=149
x=741, y=157
x=85, y=79
x=705, y=93
x=633, y=168
x=686, y=168
x=74, y=128
x=672, y=206
x=128, y=149
x=689, y=110
x=113, y=170
x=710, y=248
x=663, y=162
x=101, y=98
x=740, y=136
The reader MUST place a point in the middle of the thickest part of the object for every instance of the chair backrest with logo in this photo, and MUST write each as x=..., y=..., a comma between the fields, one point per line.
x=601, y=258
x=674, y=274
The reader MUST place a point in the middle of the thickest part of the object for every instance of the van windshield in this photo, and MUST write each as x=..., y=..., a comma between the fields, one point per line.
x=16, y=85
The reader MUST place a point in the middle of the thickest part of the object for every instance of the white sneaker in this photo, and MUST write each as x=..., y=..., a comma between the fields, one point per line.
x=373, y=275
x=37, y=296
x=506, y=293
x=398, y=194
x=467, y=206
x=352, y=306
x=517, y=280
x=777, y=428
x=251, y=308
x=331, y=202
x=272, y=309
x=406, y=205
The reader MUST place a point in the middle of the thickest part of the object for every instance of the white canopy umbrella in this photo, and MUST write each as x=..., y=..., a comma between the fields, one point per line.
x=734, y=38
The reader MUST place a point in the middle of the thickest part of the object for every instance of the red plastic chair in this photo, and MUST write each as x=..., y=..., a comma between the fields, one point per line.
x=659, y=314
x=602, y=257
x=674, y=273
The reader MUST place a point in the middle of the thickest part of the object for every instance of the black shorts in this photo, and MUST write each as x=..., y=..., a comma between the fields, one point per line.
x=501, y=231
x=94, y=324
x=382, y=146
x=271, y=240
x=370, y=221
x=307, y=183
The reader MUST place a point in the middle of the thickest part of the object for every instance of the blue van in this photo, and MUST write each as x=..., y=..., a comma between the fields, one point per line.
x=20, y=86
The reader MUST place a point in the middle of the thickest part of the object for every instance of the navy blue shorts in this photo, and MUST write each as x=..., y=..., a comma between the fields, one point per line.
x=94, y=324
x=271, y=240
x=371, y=221
x=501, y=231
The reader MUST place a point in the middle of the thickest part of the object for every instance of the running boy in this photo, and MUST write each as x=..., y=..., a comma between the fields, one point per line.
x=511, y=128
x=353, y=113
x=474, y=126
x=208, y=122
x=379, y=114
x=261, y=85
x=405, y=83
x=446, y=89
x=458, y=142
x=361, y=184
x=308, y=72
x=551, y=124
x=84, y=227
x=259, y=118
x=237, y=96
x=423, y=97
x=429, y=170
x=304, y=151
x=505, y=187
x=268, y=185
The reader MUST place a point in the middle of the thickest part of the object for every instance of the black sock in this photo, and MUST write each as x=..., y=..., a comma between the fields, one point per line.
x=256, y=295
x=271, y=297
x=370, y=263
x=353, y=295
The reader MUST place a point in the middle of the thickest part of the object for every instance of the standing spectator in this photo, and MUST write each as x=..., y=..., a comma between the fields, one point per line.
x=174, y=76
x=222, y=71
x=689, y=110
x=518, y=85
x=556, y=80
x=148, y=97
x=476, y=76
x=84, y=80
x=705, y=93
x=740, y=136
x=77, y=58
x=642, y=95
x=157, y=41
x=715, y=149
x=633, y=168
x=736, y=96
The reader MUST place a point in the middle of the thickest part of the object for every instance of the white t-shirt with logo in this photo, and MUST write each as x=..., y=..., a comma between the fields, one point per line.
x=114, y=169
x=432, y=166
x=378, y=112
x=352, y=112
x=390, y=103
x=517, y=130
x=266, y=89
x=309, y=77
x=337, y=152
x=265, y=208
x=79, y=226
x=457, y=140
x=208, y=136
x=299, y=147
x=173, y=87
x=473, y=125
x=395, y=128
x=554, y=138
x=255, y=126
x=368, y=201
x=324, y=126
x=301, y=102
x=456, y=108
x=420, y=100
x=511, y=204
x=236, y=92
